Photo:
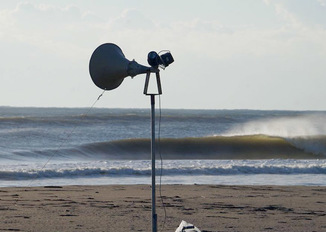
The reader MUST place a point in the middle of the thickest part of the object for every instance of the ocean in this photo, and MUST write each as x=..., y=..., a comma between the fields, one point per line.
x=81, y=146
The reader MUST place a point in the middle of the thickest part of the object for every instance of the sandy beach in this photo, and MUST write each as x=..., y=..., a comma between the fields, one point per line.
x=128, y=208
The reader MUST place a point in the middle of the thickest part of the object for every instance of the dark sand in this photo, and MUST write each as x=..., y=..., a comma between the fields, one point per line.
x=128, y=208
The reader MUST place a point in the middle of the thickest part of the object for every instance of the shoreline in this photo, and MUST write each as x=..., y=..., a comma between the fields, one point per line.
x=128, y=208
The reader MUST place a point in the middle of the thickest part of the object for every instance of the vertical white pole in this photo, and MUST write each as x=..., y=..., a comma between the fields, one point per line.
x=154, y=216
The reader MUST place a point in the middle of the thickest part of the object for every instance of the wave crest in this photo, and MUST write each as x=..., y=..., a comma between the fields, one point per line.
x=119, y=169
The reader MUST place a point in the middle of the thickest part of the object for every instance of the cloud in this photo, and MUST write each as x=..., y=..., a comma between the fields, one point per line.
x=322, y=2
x=267, y=2
x=33, y=16
x=288, y=17
x=55, y=30
x=68, y=31
x=131, y=19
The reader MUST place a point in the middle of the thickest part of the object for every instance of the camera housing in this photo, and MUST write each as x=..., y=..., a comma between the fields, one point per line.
x=155, y=60
x=167, y=59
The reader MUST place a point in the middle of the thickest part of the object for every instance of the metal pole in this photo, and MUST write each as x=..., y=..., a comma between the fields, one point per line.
x=154, y=216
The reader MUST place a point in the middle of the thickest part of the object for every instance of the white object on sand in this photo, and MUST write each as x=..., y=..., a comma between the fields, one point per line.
x=187, y=227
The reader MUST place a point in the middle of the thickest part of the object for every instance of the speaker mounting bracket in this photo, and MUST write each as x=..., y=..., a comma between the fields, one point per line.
x=158, y=82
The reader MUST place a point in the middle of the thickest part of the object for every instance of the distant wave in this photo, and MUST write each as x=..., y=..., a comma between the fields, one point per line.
x=171, y=168
x=70, y=119
x=214, y=147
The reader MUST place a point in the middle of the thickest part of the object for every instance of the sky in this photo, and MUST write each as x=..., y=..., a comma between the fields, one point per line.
x=229, y=54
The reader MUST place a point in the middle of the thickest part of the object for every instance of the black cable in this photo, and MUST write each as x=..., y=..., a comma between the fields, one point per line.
x=67, y=137
x=163, y=51
x=160, y=153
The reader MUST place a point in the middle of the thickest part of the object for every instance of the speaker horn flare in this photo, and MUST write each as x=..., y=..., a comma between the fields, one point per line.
x=108, y=67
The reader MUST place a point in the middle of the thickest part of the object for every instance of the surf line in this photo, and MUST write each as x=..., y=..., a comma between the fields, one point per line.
x=68, y=135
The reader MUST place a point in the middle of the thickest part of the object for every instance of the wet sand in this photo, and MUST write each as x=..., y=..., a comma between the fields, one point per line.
x=128, y=208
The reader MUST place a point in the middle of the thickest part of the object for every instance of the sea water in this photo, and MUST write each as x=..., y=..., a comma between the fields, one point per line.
x=78, y=146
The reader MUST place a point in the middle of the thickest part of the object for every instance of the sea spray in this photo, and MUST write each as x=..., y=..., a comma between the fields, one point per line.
x=299, y=125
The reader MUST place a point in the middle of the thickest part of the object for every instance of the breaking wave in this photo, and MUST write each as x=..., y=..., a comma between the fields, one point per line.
x=214, y=147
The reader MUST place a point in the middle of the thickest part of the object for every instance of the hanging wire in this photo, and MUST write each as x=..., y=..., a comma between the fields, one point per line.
x=67, y=137
x=160, y=153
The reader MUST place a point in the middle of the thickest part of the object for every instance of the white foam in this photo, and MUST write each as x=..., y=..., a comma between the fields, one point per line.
x=287, y=127
x=117, y=169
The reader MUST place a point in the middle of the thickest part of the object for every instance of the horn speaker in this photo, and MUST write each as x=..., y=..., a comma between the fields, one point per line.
x=108, y=67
